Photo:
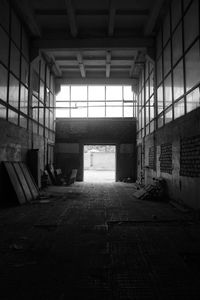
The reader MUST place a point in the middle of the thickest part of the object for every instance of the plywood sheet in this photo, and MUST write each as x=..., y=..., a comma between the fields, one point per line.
x=15, y=182
x=23, y=181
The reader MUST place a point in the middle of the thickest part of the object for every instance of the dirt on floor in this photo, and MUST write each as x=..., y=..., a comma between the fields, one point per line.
x=97, y=241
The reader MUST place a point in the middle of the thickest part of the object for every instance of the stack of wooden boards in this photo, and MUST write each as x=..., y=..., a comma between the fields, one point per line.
x=22, y=181
x=155, y=191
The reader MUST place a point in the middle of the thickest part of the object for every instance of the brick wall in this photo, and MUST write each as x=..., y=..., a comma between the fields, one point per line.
x=152, y=164
x=190, y=157
x=166, y=158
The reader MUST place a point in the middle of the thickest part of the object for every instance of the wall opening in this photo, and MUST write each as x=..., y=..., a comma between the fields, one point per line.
x=99, y=163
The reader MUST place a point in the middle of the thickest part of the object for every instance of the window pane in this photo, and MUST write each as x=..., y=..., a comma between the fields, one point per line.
x=128, y=110
x=2, y=111
x=15, y=29
x=192, y=65
x=62, y=112
x=177, y=44
x=41, y=113
x=41, y=90
x=176, y=12
x=166, y=29
x=159, y=44
x=114, y=92
x=160, y=99
x=168, y=115
x=80, y=111
x=3, y=83
x=178, y=80
x=179, y=109
x=23, y=121
x=151, y=84
x=96, y=109
x=159, y=70
x=147, y=90
x=167, y=59
x=24, y=99
x=14, y=92
x=35, y=110
x=128, y=93
x=147, y=112
x=24, y=71
x=114, y=109
x=193, y=100
x=63, y=95
x=168, y=91
x=4, y=14
x=152, y=127
x=152, y=108
x=79, y=93
x=96, y=93
x=160, y=121
x=4, y=46
x=191, y=21
x=15, y=60
x=12, y=116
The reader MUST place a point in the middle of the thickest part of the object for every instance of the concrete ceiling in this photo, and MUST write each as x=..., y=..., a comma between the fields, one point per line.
x=90, y=39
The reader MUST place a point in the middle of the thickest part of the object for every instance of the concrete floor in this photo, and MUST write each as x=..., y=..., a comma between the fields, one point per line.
x=96, y=241
x=99, y=176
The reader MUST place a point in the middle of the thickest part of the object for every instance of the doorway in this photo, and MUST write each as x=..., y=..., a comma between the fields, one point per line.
x=99, y=163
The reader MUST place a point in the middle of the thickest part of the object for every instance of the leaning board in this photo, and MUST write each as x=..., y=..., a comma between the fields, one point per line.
x=15, y=182
x=30, y=181
x=23, y=181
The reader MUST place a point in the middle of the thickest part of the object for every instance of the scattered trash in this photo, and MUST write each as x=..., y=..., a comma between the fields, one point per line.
x=155, y=191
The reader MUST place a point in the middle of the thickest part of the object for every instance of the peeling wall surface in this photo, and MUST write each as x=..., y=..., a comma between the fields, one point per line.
x=71, y=135
x=183, y=184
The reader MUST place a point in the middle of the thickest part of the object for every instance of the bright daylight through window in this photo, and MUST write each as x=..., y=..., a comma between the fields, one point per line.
x=96, y=101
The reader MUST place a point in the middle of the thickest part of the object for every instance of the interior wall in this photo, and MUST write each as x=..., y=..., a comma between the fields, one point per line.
x=72, y=134
x=25, y=84
x=171, y=147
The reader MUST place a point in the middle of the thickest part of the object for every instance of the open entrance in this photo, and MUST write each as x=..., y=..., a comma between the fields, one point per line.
x=99, y=163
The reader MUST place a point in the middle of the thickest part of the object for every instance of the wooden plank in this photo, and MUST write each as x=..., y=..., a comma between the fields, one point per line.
x=23, y=181
x=15, y=182
x=30, y=181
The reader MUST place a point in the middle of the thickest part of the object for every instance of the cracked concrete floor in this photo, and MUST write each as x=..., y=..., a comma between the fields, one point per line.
x=97, y=241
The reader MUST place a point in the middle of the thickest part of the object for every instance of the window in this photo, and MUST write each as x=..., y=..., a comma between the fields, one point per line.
x=95, y=101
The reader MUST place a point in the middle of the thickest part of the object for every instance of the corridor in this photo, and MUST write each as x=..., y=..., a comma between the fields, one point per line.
x=97, y=241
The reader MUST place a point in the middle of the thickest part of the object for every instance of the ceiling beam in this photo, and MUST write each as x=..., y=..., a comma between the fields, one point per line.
x=111, y=18
x=95, y=81
x=57, y=67
x=108, y=63
x=81, y=65
x=154, y=13
x=94, y=43
x=72, y=18
x=27, y=15
x=92, y=12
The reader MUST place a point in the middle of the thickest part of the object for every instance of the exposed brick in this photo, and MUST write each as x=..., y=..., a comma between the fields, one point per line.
x=152, y=164
x=166, y=158
x=190, y=157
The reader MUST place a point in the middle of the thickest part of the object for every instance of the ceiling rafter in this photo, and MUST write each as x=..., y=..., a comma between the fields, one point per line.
x=72, y=18
x=111, y=18
x=81, y=64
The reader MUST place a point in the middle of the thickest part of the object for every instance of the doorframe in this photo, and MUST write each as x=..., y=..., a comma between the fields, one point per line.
x=101, y=144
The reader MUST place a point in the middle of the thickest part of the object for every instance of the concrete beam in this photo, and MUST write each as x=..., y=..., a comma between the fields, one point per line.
x=151, y=22
x=26, y=13
x=72, y=18
x=95, y=81
x=108, y=62
x=94, y=43
x=111, y=19
x=81, y=65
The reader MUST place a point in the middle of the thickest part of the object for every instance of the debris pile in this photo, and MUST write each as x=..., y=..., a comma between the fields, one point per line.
x=155, y=191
